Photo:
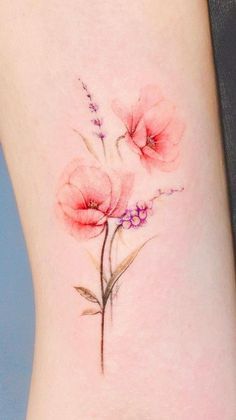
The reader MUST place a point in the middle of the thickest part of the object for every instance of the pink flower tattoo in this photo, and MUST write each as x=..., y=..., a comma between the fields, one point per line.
x=94, y=200
x=153, y=129
x=88, y=196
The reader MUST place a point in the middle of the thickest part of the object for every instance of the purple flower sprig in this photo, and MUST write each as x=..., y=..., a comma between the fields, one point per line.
x=167, y=191
x=97, y=121
x=137, y=216
x=93, y=107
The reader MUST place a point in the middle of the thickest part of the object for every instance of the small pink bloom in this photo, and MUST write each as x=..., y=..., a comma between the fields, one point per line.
x=126, y=216
x=135, y=220
x=126, y=224
x=97, y=122
x=143, y=214
x=101, y=135
x=149, y=204
x=134, y=212
x=153, y=129
x=93, y=107
x=88, y=196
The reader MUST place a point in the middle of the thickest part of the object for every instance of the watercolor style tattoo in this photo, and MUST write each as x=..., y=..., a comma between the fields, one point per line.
x=94, y=197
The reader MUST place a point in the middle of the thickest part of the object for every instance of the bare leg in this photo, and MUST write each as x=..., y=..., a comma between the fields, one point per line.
x=170, y=352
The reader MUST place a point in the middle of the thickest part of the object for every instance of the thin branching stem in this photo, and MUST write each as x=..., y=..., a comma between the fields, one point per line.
x=103, y=295
x=104, y=149
x=110, y=264
x=118, y=140
x=110, y=248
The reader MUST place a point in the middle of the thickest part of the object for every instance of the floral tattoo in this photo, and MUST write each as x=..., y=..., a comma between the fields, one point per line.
x=94, y=197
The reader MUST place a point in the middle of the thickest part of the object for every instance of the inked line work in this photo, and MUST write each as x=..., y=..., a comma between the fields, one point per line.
x=94, y=197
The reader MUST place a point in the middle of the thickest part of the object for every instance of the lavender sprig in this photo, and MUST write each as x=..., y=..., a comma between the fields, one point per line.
x=136, y=216
x=97, y=121
x=167, y=191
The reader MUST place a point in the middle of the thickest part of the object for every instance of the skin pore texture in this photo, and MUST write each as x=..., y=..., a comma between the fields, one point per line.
x=110, y=130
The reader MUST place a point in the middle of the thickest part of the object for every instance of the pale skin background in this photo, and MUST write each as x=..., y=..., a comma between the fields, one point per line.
x=171, y=351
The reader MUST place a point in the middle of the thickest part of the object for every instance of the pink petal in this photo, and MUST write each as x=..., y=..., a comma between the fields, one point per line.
x=150, y=96
x=72, y=166
x=133, y=145
x=169, y=166
x=67, y=221
x=151, y=158
x=158, y=118
x=140, y=135
x=166, y=150
x=123, y=113
x=70, y=195
x=121, y=190
x=85, y=216
x=149, y=152
x=94, y=184
x=85, y=232
x=79, y=230
x=173, y=131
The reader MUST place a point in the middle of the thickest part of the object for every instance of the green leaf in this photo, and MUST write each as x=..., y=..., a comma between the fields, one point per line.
x=122, y=267
x=118, y=145
x=87, y=144
x=94, y=260
x=87, y=294
x=90, y=311
x=96, y=263
x=121, y=236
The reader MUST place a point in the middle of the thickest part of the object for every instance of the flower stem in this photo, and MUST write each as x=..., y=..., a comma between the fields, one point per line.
x=110, y=265
x=103, y=301
x=118, y=140
x=97, y=121
x=104, y=149
x=110, y=249
x=102, y=340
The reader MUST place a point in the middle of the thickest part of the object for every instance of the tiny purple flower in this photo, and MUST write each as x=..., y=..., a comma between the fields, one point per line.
x=126, y=224
x=84, y=86
x=136, y=217
x=97, y=122
x=134, y=212
x=135, y=221
x=101, y=135
x=143, y=214
x=141, y=205
x=93, y=107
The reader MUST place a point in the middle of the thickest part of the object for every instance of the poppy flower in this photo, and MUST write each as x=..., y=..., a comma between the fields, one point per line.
x=154, y=129
x=88, y=196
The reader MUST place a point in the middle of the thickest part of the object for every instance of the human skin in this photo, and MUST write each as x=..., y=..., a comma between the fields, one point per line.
x=170, y=349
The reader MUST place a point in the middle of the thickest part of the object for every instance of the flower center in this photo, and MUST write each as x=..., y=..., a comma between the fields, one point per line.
x=92, y=204
x=150, y=141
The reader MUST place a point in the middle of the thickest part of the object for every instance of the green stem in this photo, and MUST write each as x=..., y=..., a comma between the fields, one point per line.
x=102, y=293
x=87, y=144
x=110, y=264
x=102, y=340
x=123, y=267
x=110, y=249
x=118, y=145
x=104, y=149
